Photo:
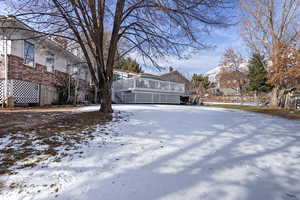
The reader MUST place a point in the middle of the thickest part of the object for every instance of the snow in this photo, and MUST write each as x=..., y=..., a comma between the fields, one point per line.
x=174, y=152
x=213, y=73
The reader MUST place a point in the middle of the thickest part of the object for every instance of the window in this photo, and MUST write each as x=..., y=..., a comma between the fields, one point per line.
x=76, y=70
x=117, y=77
x=86, y=76
x=69, y=69
x=50, y=63
x=28, y=53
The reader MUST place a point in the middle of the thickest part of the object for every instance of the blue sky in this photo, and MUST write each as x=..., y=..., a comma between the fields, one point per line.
x=1, y=7
x=203, y=61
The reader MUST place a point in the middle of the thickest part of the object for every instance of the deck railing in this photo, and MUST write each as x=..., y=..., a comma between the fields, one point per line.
x=148, y=85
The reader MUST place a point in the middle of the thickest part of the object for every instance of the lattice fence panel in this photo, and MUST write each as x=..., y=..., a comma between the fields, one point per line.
x=2, y=89
x=25, y=92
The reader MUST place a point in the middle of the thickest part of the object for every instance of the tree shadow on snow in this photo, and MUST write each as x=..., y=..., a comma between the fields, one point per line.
x=245, y=160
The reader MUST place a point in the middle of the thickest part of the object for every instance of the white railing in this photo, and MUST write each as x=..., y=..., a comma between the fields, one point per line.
x=148, y=85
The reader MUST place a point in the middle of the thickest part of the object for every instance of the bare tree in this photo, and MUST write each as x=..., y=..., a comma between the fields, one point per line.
x=151, y=28
x=231, y=71
x=267, y=24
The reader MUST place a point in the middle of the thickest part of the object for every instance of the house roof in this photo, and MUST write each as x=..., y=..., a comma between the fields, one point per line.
x=16, y=23
x=174, y=72
x=213, y=73
x=149, y=74
x=155, y=76
x=138, y=74
x=125, y=71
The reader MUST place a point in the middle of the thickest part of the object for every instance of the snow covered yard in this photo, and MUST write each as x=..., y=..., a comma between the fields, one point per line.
x=171, y=152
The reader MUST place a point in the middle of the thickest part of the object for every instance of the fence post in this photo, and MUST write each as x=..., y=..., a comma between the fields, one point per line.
x=134, y=83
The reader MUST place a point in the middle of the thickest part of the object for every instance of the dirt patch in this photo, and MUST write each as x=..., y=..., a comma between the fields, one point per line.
x=22, y=119
x=28, y=137
x=47, y=119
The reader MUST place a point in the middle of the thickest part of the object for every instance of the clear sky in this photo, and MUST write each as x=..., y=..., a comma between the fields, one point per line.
x=2, y=7
x=203, y=61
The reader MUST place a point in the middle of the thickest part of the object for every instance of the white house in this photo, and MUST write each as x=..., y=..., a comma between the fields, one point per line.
x=33, y=68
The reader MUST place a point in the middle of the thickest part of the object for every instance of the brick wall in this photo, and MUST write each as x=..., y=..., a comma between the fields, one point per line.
x=17, y=70
x=231, y=79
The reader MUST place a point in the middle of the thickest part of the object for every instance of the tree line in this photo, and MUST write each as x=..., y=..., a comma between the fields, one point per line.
x=271, y=30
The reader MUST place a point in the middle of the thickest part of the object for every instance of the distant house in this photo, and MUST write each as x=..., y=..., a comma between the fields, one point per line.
x=228, y=81
x=33, y=68
x=150, y=88
x=213, y=75
x=177, y=77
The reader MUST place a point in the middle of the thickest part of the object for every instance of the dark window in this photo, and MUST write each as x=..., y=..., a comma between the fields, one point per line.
x=117, y=77
x=50, y=63
x=86, y=76
x=28, y=53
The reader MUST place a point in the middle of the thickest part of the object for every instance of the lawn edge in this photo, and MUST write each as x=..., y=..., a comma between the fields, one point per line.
x=287, y=114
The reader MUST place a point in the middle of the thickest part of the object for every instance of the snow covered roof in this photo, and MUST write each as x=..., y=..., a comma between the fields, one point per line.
x=212, y=74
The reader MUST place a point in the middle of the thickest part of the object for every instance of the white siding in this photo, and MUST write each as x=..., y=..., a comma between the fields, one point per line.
x=40, y=53
x=42, y=50
x=2, y=46
x=61, y=62
x=17, y=47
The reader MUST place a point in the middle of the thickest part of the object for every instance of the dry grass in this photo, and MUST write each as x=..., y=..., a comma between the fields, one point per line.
x=38, y=109
x=49, y=127
x=44, y=120
x=295, y=115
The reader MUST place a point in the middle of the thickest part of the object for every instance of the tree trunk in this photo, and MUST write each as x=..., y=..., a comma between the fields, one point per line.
x=287, y=101
x=256, y=98
x=106, y=101
x=241, y=95
x=274, y=96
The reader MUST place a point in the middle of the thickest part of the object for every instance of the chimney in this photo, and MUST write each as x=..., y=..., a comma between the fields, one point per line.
x=170, y=69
